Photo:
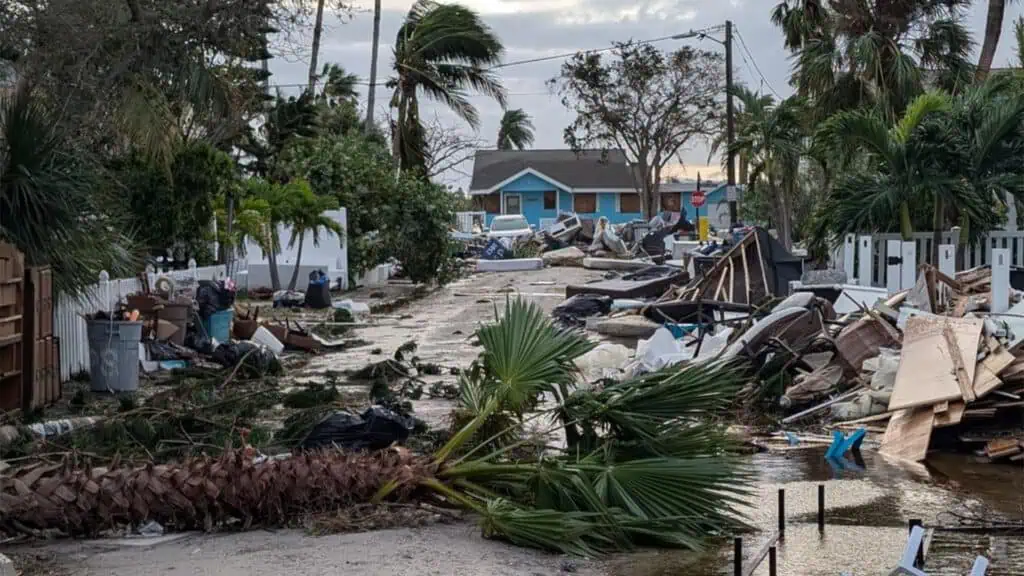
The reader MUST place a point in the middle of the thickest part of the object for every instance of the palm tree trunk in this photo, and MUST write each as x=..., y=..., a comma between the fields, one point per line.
x=993, y=28
x=272, y=247
x=372, y=92
x=275, y=278
x=938, y=221
x=318, y=30
x=396, y=138
x=298, y=261
x=906, y=229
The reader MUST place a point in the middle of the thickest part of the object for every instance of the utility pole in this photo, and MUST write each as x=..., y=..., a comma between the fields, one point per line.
x=730, y=126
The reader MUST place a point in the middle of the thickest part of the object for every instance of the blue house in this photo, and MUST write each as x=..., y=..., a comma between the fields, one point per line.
x=540, y=184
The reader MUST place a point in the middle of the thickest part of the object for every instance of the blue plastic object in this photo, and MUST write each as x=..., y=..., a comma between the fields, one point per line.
x=218, y=325
x=841, y=444
x=680, y=330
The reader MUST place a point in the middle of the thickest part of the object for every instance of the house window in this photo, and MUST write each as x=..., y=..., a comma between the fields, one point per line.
x=584, y=203
x=512, y=205
x=670, y=202
x=550, y=200
x=629, y=203
x=490, y=203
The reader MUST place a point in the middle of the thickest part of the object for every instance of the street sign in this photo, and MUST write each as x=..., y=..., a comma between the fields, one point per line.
x=697, y=198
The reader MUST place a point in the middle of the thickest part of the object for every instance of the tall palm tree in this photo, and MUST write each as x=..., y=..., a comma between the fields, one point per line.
x=993, y=29
x=882, y=54
x=318, y=29
x=441, y=51
x=770, y=140
x=515, y=131
x=372, y=93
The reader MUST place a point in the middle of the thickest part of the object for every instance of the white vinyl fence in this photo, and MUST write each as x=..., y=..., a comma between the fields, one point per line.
x=880, y=257
x=68, y=314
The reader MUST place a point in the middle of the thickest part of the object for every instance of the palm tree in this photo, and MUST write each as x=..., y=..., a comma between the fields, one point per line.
x=372, y=93
x=882, y=54
x=952, y=157
x=770, y=142
x=306, y=215
x=338, y=84
x=993, y=30
x=442, y=50
x=54, y=205
x=318, y=29
x=515, y=131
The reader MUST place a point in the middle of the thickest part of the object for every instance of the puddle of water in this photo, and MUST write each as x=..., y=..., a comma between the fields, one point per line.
x=867, y=511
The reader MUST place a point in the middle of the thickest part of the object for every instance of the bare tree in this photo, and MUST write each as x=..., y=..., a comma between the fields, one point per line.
x=448, y=148
x=646, y=102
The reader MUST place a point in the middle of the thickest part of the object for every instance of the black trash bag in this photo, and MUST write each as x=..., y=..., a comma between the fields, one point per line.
x=318, y=293
x=162, y=351
x=213, y=297
x=258, y=360
x=375, y=429
x=197, y=339
x=576, y=310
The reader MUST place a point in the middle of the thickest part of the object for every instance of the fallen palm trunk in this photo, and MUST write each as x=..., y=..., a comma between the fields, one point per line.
x=203, y=493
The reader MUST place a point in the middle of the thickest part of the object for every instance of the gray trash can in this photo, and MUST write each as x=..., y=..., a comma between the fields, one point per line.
x=114, y=355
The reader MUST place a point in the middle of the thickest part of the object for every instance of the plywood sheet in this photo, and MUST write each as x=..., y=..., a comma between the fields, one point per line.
x=986, y=377
x=908, y=434
x=926, y=373
x=952, y=416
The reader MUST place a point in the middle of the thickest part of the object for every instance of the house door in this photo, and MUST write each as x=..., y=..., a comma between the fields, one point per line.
x=513, y=204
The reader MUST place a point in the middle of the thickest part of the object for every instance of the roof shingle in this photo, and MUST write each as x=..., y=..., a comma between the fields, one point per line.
x=590, y=169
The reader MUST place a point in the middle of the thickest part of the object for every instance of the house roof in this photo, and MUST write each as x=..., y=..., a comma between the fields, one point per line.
x=588, y=170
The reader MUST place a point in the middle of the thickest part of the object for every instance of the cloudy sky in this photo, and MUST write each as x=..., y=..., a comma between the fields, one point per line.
x=536, y=28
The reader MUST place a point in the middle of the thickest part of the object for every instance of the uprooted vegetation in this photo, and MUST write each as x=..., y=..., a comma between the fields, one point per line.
x=542, y=462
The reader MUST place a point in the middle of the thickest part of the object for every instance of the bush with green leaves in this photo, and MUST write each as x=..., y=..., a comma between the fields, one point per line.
x=406, y=218
x=415, y=229
x=172, y=207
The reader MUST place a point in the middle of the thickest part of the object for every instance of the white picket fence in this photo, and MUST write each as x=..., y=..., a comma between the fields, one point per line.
x=68, y=314
x=881, y=256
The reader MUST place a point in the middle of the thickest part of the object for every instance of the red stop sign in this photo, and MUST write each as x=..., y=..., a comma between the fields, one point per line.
x=697, y=198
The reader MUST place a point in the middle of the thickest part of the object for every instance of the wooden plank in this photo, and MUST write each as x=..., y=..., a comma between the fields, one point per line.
x=926, y=373
x=964, y=380
x=985, y=377
x=908, y=434
x=746, y=274
x=952, y=416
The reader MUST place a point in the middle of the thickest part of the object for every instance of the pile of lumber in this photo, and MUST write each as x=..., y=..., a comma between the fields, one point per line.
x=961, y=369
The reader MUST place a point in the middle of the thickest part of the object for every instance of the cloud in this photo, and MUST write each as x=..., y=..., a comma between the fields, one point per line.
x=540, y=28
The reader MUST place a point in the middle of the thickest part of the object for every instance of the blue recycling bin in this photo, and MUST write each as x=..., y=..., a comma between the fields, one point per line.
x=218, y=325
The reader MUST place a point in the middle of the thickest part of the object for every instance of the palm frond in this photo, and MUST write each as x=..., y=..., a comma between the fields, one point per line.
x=919, y=109
x=527, y=354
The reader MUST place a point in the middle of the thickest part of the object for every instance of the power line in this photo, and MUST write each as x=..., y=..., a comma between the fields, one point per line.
x=365, y=82
x=756, y=67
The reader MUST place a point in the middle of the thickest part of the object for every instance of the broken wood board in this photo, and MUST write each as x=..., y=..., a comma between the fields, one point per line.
x=986, y=377
x=952, y=416
x=908, y=434
x=926, y=373
x=964, y=379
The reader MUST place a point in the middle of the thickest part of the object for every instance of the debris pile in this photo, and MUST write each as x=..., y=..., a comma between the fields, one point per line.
x=575, y=241
x=935, y=357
